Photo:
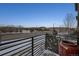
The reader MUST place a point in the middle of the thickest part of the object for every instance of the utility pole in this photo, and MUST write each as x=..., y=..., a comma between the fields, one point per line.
x=53, y=26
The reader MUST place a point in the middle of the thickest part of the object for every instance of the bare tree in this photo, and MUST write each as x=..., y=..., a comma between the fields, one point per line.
x=69, y=21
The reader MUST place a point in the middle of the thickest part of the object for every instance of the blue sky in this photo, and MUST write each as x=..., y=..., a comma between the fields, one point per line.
x=32, y=15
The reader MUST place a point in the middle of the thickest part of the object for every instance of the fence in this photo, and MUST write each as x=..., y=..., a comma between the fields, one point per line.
x=32, y=46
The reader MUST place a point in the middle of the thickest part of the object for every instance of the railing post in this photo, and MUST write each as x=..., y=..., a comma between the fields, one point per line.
x=32, y=46
x=0, y=38
x=46, y=41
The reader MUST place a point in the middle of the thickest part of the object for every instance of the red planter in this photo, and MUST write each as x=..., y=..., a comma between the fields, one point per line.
x=68, y=49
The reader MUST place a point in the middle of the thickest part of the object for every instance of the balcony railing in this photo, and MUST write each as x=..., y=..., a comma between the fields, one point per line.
x=32, y=46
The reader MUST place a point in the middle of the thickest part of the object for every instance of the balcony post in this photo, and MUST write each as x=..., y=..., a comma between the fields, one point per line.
x=32, y=46
x=0, y=38
x=46, y=41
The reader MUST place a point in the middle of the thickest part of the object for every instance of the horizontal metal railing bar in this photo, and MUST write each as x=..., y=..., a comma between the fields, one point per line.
x=37, y=54
x=17, y=51
x=2, y=47
x=39, y=39
x=30, y=54
x=22, y=46
x=12, y=49
x=23, y=51
x=9, y=52
x=11, y=41
x=25, y=54
x=39, y=36
x=42, y=38
x=35, y=45
x=36, y=51
x=38, y=44
x=36, y=48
